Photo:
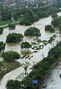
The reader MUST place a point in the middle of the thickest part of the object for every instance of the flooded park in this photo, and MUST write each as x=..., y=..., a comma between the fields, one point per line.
x=35, y=55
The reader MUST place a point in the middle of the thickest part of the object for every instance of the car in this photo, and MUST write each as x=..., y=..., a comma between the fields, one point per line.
x=44, y=85
x=60, y=75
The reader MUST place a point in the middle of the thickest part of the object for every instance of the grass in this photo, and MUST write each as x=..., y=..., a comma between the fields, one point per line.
x=9, y=21
x=5, y=22
x=20, y=18
x=7, y=67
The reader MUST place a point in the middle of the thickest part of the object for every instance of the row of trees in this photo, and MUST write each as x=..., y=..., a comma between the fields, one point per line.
x=32, y=15
x=39, y=70
x=7, y=13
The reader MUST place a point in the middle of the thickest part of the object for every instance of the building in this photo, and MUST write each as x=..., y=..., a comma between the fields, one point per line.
x=51, y=2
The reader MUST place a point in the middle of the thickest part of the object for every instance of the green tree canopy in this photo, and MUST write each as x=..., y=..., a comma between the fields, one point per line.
x=11, y=26
x=10, y=56
x=49, y=28
x=32, y=31
x=25, y=45
x=14, y=38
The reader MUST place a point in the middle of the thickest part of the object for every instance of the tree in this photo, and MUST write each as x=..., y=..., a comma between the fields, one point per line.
x=2, y=46
x=14, y=38
x=32, y=31
x=36, y=17
x=55, y=22
x=5, y=15
x=1, y=30
x=10, y=56
x=25, y=45
x=11, y=26
x=1, y=65
x=54, y=16
x=49, y=28
x=26, y=65
x=28, y=18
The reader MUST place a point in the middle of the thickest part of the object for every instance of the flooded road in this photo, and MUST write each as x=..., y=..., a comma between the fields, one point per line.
x=35, y=57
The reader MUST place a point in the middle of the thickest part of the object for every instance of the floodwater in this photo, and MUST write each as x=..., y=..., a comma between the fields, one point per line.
x=35, y=57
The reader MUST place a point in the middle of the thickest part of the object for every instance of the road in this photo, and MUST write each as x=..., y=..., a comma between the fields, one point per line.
x=53, y=80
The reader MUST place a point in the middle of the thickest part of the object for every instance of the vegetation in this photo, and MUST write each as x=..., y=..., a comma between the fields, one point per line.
x=32, y=31
x=25, y=45
x=28, y=18
x=2, y=46
x=6, y=15
x=10, y=56
x=5, y=22
x=6, y=67
x=26, y=15
x=51, y=39
x=14, y=38
x=32, y=15
x=13, y=84
x=11, y=26
x=1, y=65
x=54, y=16
x=59, y=26
x=57, y=23
x=1, y=30
x=40, y=70
x=49, y=28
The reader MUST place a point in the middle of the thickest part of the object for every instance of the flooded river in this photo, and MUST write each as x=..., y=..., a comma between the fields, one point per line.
x=35, y=57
